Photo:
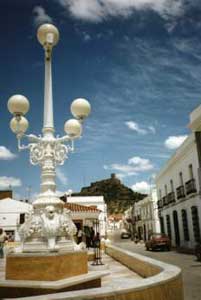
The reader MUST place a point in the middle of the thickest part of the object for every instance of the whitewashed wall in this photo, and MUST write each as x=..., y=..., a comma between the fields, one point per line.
x=97, y=201
x=10, y=211
x=180, y=161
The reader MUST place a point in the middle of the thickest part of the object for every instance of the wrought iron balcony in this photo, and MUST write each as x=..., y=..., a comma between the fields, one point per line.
x=160, y=203
x=180, y=192
x=171, y=197
x=190, y=186
x=165, y=200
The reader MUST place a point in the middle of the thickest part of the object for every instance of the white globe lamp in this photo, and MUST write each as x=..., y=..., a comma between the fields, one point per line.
x=48, y=34
x=80, y=108
x=73, y=128
x=18, y=105
x=19, y=126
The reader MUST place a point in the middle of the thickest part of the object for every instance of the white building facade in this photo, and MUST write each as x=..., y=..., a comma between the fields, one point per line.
x=97, y=202
x=83, y=215
x=178, y=189
x=12, y=214
x=146, y=216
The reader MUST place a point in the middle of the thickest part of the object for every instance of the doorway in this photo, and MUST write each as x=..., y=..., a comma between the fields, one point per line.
x=176, y=228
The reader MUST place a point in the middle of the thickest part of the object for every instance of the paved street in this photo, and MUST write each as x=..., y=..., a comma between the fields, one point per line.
x=191, y=269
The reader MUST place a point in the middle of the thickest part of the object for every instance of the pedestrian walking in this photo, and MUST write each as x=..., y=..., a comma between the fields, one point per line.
x=92, y=234
x=87, y=233
x=136, y=239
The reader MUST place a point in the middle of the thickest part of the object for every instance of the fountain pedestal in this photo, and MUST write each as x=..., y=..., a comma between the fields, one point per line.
x=46, y=266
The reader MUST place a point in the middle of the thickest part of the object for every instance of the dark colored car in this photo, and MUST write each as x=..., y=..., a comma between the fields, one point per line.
x=158, y=241
x=125, y=234
x=198, y=251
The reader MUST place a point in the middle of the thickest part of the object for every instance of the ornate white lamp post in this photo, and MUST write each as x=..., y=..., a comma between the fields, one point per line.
x=50, y=226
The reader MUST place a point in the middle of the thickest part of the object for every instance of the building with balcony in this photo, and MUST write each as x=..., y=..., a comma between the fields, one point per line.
x=178, y=189
x=146, y=219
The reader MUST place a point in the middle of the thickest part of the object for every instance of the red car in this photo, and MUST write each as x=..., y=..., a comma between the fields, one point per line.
x=158, y=241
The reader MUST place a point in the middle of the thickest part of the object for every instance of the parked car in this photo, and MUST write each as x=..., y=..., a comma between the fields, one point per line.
x=158, y=241
x=125, y=234
x=198, y=251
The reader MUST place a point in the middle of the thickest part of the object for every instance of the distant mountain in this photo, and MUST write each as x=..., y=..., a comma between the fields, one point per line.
x=118, y=197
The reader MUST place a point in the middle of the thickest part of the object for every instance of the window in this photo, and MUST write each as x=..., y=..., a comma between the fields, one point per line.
x=168, y=226
x=181, y=178
x=190, y=168
x=176, y=228
x=171, y=185
x=185, y=224
x=22, y=218
x=196, y=225
x=166, y=189
x=162, y=225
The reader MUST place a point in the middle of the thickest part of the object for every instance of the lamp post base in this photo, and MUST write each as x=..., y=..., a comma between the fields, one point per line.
x=49, y=228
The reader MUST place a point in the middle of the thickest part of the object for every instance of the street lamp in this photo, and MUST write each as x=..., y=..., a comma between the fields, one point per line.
x=49, y=225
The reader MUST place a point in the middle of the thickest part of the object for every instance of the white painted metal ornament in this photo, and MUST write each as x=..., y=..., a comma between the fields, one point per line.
x=49, y=227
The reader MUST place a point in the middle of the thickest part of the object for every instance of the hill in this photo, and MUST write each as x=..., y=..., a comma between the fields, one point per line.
x=118, y=197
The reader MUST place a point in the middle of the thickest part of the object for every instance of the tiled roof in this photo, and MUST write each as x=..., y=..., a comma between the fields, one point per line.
x=116, y=217
x=74, y=207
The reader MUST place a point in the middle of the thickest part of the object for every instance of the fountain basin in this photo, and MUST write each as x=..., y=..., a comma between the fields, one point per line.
x=160, y=281
x=48, y=266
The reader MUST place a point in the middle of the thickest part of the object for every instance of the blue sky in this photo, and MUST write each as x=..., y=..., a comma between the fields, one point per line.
x=138, y=62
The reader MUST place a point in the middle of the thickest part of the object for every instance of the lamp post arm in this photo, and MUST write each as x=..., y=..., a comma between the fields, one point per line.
x=20, y=145
x=65, y=139
x=33, y=139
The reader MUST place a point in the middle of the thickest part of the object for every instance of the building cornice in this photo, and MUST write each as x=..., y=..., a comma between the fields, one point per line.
x=179, y=154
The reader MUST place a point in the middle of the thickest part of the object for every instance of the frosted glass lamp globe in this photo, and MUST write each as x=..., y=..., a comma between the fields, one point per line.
x=19, y=126
x=73, y=128
x=80, y=108
x=48, y=34
x=18, y=104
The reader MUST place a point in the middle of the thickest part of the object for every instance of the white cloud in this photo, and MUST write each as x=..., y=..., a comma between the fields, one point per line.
x=5, y=182
x=61, y=176
x=140, y=164
x=86, y=37
x=134, y=166
x=99, y=10
x=152, y=129
x=90, y=10
x=138, y=128
x=40, y=16
x=173, y=142
x=135, y=127
x=124, y=175
x=6, y=154
x=141, y=187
